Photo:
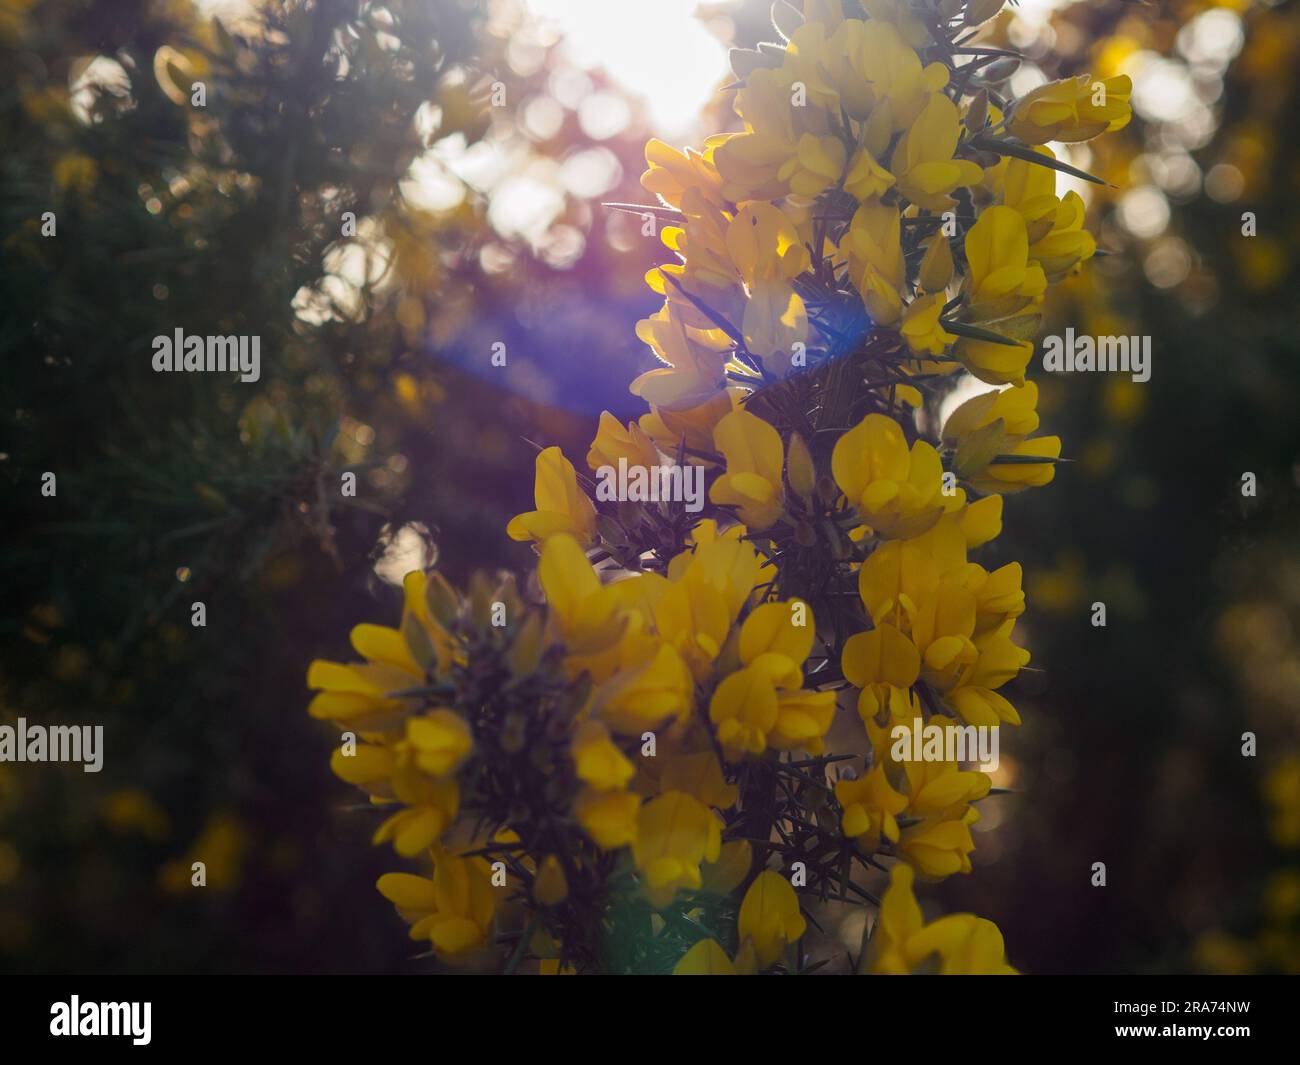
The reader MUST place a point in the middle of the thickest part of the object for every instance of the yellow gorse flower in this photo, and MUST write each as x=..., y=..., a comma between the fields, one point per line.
x=998, y=424
x=955, y=945
x=755, y=456
x=453, y=910
x=1075, y=109
x=676, y=833
x=896, y=489
x=871, y=807
x=598, y=761
x=561, y=506
x=769, y=916
x=874, y=253
x=923, y=160
x=614, y=441
x=706, y=958
x=761, y=704
x=1002, y=278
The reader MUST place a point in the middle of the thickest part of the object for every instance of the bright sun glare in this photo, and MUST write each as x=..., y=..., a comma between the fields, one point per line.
x=657, y=50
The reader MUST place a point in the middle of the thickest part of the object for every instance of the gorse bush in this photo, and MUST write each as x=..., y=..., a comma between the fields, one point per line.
x=655, y=766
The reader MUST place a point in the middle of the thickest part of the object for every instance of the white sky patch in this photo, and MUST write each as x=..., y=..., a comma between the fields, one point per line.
x=967, y=388
x=657, y=50
x=1144, y=211
x=1162, y=88
x=1078, y=156
x=1165, y=91
x=1030, y=26
x=525, y=204
x=406, y=549
x=1211, y=40
x=430, y=186
x=101, y=73
x=1036, y=13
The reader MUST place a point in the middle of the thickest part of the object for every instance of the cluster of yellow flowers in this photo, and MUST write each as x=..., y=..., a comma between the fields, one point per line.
x=636, y=776
x=1272, y=944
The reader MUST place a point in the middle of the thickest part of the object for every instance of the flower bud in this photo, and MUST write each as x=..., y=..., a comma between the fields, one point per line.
x=550, y=888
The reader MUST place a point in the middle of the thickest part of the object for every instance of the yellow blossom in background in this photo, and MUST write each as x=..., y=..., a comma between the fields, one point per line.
x=215, y=859
x=675, y=834
x=608, y=818
x=76, y=173
x=598, y=761
x=1282, y=789
x=133, y=810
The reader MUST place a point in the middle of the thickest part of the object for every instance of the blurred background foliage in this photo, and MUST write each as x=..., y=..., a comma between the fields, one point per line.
x=478, y=225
